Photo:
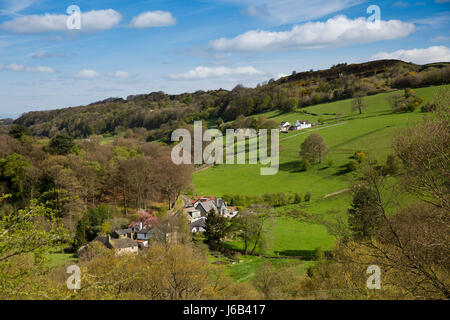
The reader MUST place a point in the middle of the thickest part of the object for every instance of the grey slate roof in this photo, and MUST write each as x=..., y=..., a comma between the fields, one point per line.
x=122, y=243
x=208, y=206
x=122, y=232
x=199, y=223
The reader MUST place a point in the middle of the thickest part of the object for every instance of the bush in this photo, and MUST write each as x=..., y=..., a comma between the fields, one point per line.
x=352, y=165
x=308, y=196
x=406, y=102
x=318, y=254
x=429, y=107
x=306, y=165
x=393, y=165
x=297, y=198
x=360, y=156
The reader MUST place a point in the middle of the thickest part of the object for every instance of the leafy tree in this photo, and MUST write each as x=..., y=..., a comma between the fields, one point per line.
x=313, y=148
x=290, y=105
x=216, y=227
x=219, y=122
x=18, y=131
x=364, y=216
x=170, y=179
x=393, y=165
x=105, y=228
x=27, y=236
x=80, y=234
x=61, y=145
x=248, y=225
x=13, y=168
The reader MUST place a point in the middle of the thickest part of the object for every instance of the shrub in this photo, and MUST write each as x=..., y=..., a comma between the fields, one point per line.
x=429, y=107
x=393, y=165
x=306, y=165
x=352, y=165
x=297, y=197
x=330, y=163
x=360, y=156
x=308, y=196
x=318, y=254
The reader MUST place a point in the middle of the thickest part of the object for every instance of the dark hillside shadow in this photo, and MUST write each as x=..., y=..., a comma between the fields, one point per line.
x=306, y=255
x=292, y=166
x=342, y=170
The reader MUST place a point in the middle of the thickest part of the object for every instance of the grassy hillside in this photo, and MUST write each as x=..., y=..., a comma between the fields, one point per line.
x=344, y=133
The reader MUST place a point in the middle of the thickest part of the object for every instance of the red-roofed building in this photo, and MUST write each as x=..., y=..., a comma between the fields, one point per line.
x=202, y=199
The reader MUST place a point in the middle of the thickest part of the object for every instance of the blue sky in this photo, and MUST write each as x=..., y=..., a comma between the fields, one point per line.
x=132, y=47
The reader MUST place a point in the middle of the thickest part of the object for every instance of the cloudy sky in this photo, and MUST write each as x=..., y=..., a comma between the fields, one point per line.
x=131, y=47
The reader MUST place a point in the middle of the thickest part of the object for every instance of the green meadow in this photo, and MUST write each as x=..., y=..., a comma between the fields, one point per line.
x=344, y=133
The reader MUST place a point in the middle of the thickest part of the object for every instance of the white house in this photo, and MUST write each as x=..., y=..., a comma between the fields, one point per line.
x=300, y=125
x=284, y=126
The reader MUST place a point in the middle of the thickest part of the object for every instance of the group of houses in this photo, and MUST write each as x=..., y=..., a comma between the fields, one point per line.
x=197, y=210
x=137, y=236
x=285, y=126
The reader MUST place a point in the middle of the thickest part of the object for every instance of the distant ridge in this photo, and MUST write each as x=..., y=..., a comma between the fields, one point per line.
x=159, y=113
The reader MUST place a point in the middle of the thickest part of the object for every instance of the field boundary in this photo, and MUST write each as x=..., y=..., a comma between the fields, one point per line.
x=305, y=132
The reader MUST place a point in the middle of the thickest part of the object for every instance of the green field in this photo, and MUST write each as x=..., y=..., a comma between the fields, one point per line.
x=246, y=269
x=61, y=259
x=344, y=133
x=371, y=132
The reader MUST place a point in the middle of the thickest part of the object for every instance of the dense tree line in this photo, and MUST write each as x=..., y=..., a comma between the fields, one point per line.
x=71, y=177
x=154, y=116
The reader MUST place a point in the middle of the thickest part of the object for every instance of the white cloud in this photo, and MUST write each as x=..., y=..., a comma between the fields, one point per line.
x=120, y=75
x=402, y=4
x=42, y=69
x=153, y=19
x=13, y=67
x=18, y=67
x=256, y=11
x=201, y=72
x=335, y=31
x=87, y=74
x=44, y=55
x=419, y=56
x=440, y=38
x=12, y=7
x=290, y=11
x=96, y=20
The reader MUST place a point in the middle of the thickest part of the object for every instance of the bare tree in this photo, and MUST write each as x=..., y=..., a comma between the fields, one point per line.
x=358, y=104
